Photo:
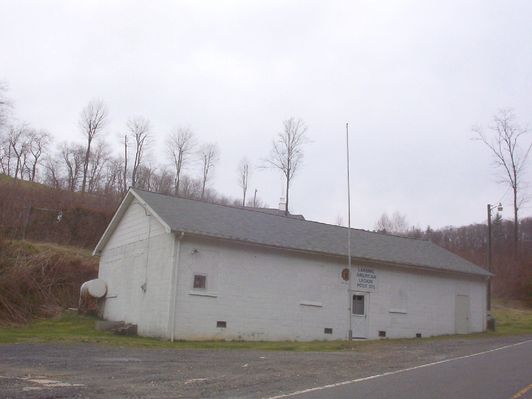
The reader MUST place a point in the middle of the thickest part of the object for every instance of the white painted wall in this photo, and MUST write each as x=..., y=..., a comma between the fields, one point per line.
x=265, y=294
x=138, y=252
x=268, y=295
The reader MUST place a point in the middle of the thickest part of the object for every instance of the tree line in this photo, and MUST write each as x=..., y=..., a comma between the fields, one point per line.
x=513, y=274
x=92, y=166
x=510, y=146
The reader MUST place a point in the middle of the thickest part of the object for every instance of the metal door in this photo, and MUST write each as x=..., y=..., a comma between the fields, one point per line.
x=359, y=316
x=461, y=314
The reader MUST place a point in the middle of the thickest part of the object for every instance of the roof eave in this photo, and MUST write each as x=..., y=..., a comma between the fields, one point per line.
x=126, y=201
x=112, y=224
x=329, y=254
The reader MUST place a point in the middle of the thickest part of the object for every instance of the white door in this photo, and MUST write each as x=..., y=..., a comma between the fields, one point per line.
x=461, y=314
x=359, y=317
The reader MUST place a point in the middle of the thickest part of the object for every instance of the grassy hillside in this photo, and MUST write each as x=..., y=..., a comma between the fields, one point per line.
x=40, y=280
x=512, y=317
x=41, y=213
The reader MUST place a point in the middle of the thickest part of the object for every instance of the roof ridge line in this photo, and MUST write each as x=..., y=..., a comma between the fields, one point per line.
x=280, y=216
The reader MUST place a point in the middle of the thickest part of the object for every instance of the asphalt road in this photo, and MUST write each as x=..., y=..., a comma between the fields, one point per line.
x=495, y=374
x=92, y=371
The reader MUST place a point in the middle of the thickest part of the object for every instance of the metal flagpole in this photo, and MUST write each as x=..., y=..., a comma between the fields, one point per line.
x=350, y=301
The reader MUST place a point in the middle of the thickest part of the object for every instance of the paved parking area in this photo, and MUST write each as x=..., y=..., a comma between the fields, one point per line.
x=99, y=371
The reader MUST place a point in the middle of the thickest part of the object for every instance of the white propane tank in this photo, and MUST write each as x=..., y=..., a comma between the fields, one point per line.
x=95, y=288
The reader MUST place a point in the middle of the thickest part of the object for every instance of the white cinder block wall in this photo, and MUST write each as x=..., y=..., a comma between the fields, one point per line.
x=260, y=293
x=265, y=294
x=138, y=252
x=277, y=295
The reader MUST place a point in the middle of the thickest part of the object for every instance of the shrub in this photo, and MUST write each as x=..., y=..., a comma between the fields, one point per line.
x=39, y=280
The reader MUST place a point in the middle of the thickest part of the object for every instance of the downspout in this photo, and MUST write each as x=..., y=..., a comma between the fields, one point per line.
x=173, y=288
x=144, y=286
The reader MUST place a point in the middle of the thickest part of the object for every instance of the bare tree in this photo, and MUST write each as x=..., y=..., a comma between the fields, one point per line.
x=99, y=158
x=396, y=224
x=256, y=202
x=53, y=174
x=5, y=146
x=124, y=171
x=139, y=131
x=92, y=121
x=112, y=176
x=18, y=141
x=5, y=105
x=190, y=187
x=146, y=177
x=243, y=178
x=208, y=155
x=73, y=158
x=163, y=182
x=37, y=144
x=287, y=151
x=180, y=144
x=5, y=154
x=510, y=149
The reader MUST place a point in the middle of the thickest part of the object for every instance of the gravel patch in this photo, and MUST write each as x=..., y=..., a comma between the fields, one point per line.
x=99, y=371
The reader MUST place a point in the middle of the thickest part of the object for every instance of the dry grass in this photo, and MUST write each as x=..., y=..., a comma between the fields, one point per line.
x=512, y=317
x=40, y=280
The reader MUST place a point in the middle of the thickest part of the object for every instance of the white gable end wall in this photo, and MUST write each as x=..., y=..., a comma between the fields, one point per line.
x=265, y=294
x=136, y=264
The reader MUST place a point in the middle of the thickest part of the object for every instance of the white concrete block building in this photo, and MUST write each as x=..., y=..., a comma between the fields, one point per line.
x=185, y=269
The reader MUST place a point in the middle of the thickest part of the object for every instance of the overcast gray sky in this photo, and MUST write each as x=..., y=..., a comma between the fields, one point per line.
x=410, y=77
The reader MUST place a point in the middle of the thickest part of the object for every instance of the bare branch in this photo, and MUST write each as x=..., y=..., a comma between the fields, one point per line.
x=39, y=140
x=5, y=105
x=19, y=143
x=92, y=121
x=139, y=131
x=208, y=155
x=287, y=151
x=396, y=224
x=507, y=143
x=180, y=144
x=73, y=158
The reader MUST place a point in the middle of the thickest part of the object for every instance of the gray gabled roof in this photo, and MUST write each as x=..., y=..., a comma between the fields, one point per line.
x=244, y=225
x=273, y=211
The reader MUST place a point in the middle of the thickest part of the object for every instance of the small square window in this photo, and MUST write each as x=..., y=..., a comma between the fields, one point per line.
x=328, y=330
x=221, y=324
x=200, y=281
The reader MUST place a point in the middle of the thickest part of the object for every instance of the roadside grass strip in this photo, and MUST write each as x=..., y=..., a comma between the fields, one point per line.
x=73, y=328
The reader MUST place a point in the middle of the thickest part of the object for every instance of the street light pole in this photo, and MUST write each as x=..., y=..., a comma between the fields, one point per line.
x=490, y=208
x=489, y=257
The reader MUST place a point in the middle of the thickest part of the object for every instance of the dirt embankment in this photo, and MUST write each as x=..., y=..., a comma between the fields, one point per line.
x=39, y=280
